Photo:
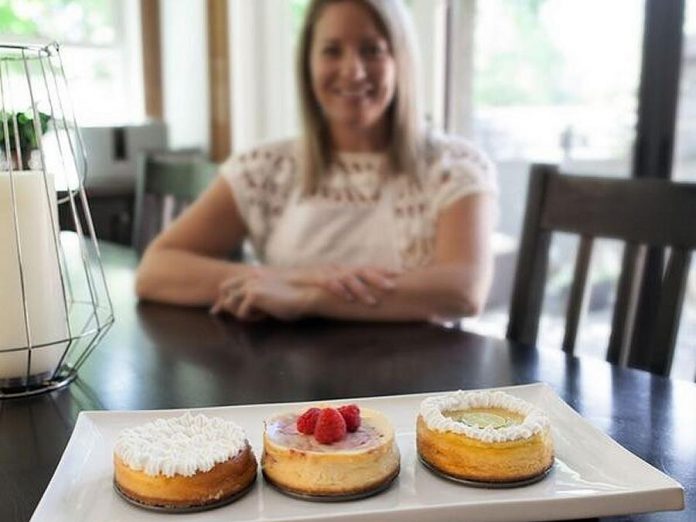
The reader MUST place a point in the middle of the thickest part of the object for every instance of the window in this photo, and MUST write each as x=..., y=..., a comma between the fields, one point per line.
x=100, y=48
x=685, y=153
x=684, y=170
x=543, y=91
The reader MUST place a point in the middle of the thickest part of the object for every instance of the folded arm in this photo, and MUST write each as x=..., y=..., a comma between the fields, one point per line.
x=431, y=293
x=186, y=263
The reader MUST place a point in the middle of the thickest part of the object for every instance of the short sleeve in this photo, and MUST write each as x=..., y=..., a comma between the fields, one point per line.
x=460, y=169
x=260, y=180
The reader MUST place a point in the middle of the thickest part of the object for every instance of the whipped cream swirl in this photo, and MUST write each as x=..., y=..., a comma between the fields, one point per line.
x=432, y=409
x=182, y=445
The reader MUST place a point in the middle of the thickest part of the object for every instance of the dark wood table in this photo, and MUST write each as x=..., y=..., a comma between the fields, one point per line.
x=166, y=357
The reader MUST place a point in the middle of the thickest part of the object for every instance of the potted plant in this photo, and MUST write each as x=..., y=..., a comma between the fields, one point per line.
x=23, y=124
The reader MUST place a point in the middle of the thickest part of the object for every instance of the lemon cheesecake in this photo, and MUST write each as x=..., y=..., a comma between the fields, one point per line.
x=481, y=436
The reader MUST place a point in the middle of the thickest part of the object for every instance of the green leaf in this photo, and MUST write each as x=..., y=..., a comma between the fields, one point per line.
x=24, y=123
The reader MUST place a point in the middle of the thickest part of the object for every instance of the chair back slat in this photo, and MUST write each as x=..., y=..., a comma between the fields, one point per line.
x=626, y=302
x=577, y=299
x=643, y=213
x=532, y=263
x=182, y=181
x=669, y=311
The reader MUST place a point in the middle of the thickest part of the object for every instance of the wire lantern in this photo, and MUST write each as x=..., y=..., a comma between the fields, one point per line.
x=54, y=302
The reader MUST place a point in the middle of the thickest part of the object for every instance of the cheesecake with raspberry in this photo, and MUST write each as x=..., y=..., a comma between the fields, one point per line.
x=330, y=452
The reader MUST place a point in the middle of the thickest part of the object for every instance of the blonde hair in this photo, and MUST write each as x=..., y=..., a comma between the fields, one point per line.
x=405, y=133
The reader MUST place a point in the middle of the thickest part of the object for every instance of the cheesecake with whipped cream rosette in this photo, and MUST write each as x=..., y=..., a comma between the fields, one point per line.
x=489, y=437
x=330, y=453
x=185, y=462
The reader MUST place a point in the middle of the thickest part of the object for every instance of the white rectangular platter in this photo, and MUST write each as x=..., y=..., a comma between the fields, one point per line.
x=593, y=475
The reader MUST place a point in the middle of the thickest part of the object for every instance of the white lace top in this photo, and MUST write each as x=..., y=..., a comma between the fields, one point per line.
x=358, y=215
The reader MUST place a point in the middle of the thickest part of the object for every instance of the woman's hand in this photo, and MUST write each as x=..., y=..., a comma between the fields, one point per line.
x=263, y=293
x=352, y=283
x=286, y=293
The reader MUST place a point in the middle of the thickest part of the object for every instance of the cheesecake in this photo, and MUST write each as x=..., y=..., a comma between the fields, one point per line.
x=487, y=437
x=310, y=464
x=185, y=462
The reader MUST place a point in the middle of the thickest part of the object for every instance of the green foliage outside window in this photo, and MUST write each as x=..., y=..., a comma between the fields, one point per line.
x=10, y=23
x=298, y=10
x=67, y=21
x=525, y=69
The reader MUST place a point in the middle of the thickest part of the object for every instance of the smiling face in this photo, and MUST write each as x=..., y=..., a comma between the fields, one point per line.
x=353, y=72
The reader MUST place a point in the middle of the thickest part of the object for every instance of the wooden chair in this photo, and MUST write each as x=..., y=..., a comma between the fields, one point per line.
x=167, y=181
x=642, y=213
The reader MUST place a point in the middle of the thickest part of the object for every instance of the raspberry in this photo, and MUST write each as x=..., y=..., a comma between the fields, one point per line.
x=330, y=426
x=351, y=414
x=308, y=421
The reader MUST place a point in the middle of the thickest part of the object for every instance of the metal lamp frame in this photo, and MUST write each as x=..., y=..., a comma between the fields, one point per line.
x=85, y=298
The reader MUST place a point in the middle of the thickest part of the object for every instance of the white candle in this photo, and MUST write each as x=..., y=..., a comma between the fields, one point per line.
x=41, y=275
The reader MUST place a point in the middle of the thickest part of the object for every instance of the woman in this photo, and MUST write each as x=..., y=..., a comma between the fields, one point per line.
x=365, y=217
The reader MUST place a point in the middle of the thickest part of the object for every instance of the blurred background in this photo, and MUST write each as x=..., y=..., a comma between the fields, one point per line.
x=527, y=80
